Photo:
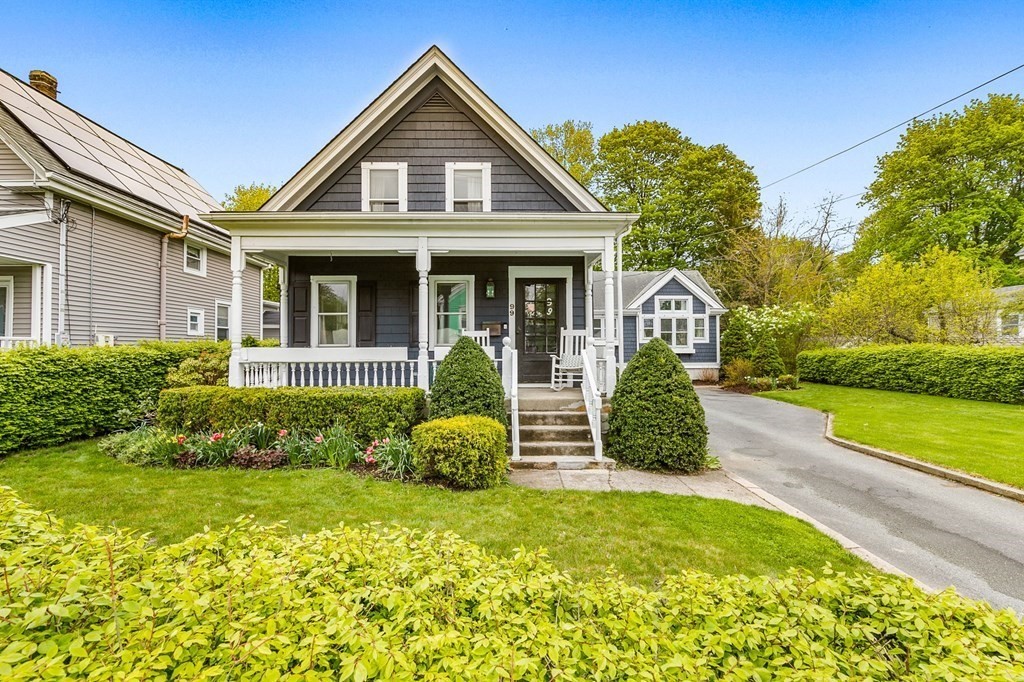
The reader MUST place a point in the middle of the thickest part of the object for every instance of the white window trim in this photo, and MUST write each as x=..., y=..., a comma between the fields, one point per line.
x=707, y=329
x=314, y=332
x=227, y=304
x=8, y=281
x=470, y=281
x=202, y=259
x=449, y=182
x=657, y=316
x=403, y=181
x=202, y=322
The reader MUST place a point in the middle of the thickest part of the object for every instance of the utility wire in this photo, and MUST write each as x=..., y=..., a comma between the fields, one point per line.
x=898, y=125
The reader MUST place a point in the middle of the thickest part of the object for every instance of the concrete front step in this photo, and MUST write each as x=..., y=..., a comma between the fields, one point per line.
x=555, y=432
x=562, y=462
x=541, y=399
x=553, y=418
x=556, y=449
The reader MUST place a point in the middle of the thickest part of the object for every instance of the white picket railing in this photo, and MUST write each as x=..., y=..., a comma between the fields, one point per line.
x=8, y=342
x=510, y=377
x=592, y=398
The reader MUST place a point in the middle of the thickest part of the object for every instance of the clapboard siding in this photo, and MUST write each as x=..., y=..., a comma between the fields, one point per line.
x=426, y=139
x=21, y=325
x=396, y=280
x=11, y=165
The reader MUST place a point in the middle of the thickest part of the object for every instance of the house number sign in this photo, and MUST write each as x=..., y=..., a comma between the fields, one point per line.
x=511, y=309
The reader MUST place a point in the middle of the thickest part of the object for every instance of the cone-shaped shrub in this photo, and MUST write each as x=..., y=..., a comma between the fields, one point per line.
x=657, y=422
x=767, y=361
x=467, y=383
x=736, y=340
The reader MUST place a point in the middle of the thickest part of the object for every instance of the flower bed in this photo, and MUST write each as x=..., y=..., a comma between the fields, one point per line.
x=257, y=446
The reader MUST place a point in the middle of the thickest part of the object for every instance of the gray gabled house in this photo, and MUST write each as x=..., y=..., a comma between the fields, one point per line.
x=92, y=243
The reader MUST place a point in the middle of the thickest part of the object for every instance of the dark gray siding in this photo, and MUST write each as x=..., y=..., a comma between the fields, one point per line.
x=434, y=133
x=703, y=352
x=628, y=336
x=396, y=279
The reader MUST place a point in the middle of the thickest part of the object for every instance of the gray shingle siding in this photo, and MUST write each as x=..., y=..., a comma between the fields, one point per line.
x=703, y=352
x=426, y=139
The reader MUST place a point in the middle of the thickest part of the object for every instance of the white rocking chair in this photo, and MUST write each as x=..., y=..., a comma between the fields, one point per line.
x=567, y=366
x=483, y=338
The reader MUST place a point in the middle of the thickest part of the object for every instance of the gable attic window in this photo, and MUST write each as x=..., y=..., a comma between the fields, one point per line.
x=195, y=259
x=467, y=186
x=385, y=186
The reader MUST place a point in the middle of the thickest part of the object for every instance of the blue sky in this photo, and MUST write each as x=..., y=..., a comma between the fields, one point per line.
x=247, y=91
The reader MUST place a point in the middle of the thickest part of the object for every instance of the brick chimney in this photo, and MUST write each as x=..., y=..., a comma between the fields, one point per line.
x=43, y=82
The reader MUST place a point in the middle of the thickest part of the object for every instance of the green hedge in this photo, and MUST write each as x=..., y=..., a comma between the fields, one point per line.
x=366, y=413
x=466, y=451
x=51, y=395
x=993, y=373
x=378, y=602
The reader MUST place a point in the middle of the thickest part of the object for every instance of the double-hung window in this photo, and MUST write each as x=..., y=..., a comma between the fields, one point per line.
x=223, y=321
x=385, y=186
x=467, y=186
x=673, y=321
x=598, y=327
x=334, y=306
x=452, y=303
x=195, y=259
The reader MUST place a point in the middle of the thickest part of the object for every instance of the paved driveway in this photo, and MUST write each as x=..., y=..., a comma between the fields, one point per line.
x=940, y=532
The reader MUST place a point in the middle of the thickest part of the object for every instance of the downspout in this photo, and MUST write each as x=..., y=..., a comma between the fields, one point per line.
x=92, y=253
x=162, y=322
x=618, y=301
x=62, y=275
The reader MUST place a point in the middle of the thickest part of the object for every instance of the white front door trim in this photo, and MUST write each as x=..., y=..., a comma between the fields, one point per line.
x=540, y=271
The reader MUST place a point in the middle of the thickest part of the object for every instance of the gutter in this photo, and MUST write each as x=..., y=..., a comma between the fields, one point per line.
x=164, y=241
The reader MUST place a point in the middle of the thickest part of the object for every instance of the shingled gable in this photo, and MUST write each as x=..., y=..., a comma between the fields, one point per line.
x=432, y=81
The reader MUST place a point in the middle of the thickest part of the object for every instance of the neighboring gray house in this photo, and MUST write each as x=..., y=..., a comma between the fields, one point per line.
x=678, y=306
x=92, y=248
x=1010, y=318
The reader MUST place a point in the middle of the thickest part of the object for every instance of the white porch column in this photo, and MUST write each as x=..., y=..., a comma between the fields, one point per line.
x=282, y=278
x=46, y=333
x=608, y=266
x=237, y=269
x=588, y=301
x=423, y=268
x=37, y=304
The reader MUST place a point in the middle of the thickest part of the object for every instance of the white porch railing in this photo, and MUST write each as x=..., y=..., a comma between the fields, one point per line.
x=510, y=377
x=592, y=398
x=8, y=342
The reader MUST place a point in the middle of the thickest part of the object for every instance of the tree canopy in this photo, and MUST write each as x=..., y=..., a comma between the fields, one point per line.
x=571, y=143
x=692, y=200
x=249, y=198
x=954, y=181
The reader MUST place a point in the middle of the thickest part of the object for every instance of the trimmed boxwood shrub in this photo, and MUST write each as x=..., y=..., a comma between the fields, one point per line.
x=657, y=422
x=993, y=373
x=51, y=395
x=467, y=451
x=766, y=358
x=467, y=383
x=365, y=412
x=378, y=602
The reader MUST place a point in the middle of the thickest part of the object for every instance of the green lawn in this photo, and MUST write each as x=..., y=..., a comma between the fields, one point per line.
x=644, y=535
x=985, y=439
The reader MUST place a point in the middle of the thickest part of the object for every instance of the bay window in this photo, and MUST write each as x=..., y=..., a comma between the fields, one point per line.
x=333, y=310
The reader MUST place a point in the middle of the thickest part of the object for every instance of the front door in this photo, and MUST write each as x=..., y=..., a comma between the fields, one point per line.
x=540, y=316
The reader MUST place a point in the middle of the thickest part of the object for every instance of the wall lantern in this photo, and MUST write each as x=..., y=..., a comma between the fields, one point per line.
x=489, y=288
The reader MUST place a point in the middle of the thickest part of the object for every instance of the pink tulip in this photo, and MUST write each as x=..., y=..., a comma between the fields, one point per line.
x=282, y=433
x=216, y=437
x=318, y=439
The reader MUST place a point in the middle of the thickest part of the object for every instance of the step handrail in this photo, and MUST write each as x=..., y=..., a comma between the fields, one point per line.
x=592, y=398
x=510, y=360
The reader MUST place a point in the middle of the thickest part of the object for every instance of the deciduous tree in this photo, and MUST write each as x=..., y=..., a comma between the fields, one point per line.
x=572, y=144
x=249, y=198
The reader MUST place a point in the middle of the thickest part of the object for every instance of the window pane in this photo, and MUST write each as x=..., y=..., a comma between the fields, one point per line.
x=193, y=257
x=333, y=330
x=468, y=206
x=451, y=297
x=648, y=327
x=384, y=184
x=448, y=327
x=681, y=338
x=333, y=297
x=468, y=184
x=666, y=325
x=665, y=305
x=383, y=206
x=698, y=328
x=222, y=315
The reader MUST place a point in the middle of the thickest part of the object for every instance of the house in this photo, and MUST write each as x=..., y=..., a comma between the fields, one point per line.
x=92, y=245
x=678, y=306
x=432, y=214
x=1010, y=317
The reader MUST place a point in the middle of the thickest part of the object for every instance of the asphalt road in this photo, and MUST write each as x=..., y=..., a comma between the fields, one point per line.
x=940, y=532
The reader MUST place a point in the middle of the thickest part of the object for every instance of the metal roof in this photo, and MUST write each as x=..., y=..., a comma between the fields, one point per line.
x=87, y=148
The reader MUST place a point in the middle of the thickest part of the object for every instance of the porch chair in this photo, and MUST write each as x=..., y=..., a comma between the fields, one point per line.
x=568, y=364
x=483, y=338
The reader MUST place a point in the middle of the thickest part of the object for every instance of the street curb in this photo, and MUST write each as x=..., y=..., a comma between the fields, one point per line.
x=846, y=543
x=925, y=467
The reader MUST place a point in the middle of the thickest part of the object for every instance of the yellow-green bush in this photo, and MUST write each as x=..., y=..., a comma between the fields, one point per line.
x=51, y=395
x=467, y=451
x=365, y=412
x=993, y=373
x=378, y=602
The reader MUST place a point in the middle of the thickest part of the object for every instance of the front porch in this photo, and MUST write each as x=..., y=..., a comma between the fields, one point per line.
x=26, y=303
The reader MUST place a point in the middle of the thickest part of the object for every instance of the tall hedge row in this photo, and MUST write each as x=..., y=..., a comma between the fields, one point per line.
x=51, y=395
x=384, y=603
x=366, y=412
x=993, y=373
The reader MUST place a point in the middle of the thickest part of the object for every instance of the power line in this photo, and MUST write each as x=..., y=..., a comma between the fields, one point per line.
x=898, y=125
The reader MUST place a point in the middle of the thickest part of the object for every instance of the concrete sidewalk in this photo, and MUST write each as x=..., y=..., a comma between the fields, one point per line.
x=715, y=484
